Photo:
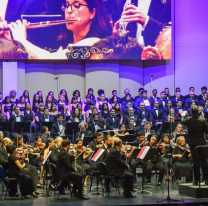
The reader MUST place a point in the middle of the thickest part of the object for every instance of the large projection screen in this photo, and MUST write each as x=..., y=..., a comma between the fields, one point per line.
x=95, y=29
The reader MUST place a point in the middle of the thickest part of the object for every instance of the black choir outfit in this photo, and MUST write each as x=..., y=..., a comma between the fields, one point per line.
x=112, y=122
x=182, y=167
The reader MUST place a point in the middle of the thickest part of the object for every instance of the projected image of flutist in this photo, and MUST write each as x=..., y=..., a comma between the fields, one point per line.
x=94, y=25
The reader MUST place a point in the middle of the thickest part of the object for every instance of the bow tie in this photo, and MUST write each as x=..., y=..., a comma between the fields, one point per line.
x=163, y=99
x=60, y=123
x=18, y=116
x=156, y=109
x=46, y=117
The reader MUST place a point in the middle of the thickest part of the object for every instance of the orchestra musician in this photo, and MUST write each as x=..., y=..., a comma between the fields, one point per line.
x=122, y=132
x=153, y=159
x=45, y=151
x=166, y=150
x=97, y=141
x=178, y=130
x=117, y=167
x=66, y=171
x=83, y=131
x=83, y=153
x=15, y=166
x=197, y=128
x=181, y=160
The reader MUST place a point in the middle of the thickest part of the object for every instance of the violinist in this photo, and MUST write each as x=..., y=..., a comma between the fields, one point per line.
x=122, y=132
x=3, y=153
x=97, y=141
x=166, y=149
x=55, y=149
x=27, y=187
x=181, y=160
x=36, y=154
x=49, y=144
x=153, y=159
x=115, y=166
x=83, y=153
x=178, y=130
x=24, y=157
x=142, y=142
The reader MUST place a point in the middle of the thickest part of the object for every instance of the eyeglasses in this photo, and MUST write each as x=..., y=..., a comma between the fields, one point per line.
x=74, y=6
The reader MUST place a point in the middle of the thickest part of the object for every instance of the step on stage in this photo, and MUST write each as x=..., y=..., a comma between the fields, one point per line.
x=157, y=193
x=191, y=190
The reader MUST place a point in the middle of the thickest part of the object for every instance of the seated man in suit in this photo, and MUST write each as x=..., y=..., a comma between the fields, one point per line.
x=204, y=99
x=84, y=131
x=66, y=171
x=131, y=115
x=96, y=124
x=126, y=91
x=117, y=167
x=158, y=116
x=180, y=108
x=17, y=117
x=162, y=100
x=138, y=96
x=127, y=99
x=112, y=122
x=191, y=98
x=168, y=106
x=203, y=90
x=167, y=93
x=144, y=98
x=58, y=128
x=46, y=116
x=176, y=98
x=144, y=114
x=3, y=153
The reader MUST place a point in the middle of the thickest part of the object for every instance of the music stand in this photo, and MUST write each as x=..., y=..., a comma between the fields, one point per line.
x=47, y=124
x=205, y=148
x=130, y=131
x=167, y=127
x=95, y=157
x=87, y=140
x=144, y=160
x=18, y=127
x=206, y=116
x=6, y=126
x=71, y=129
x=130, y=138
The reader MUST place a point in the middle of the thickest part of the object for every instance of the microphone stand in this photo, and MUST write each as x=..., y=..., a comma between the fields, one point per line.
x=57, y=84
x=168, y=199
x=151, y=75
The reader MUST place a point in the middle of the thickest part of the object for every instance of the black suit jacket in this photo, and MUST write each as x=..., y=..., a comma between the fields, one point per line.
x=110, y=124
x=147, y=115
x=4, y=158
x=127, y=117
x=54, y=154
x=87, y=134
x=91, y=126
x=159, y=118
x=114, y=164
x=197, y=127
x=13, y=119
x=64, y=165
x=51, y=119
x=55, y=129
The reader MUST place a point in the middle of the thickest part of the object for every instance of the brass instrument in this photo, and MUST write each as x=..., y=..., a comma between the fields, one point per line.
x=44, y=24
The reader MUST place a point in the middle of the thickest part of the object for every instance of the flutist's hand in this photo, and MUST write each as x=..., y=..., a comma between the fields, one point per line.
x=19, y=31
x=5, y=34
x=133, y=14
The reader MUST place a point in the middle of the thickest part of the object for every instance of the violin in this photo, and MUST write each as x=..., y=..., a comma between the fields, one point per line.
x=185, y=148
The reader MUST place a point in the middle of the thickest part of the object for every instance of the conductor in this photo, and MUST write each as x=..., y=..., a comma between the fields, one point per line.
x=197, y=127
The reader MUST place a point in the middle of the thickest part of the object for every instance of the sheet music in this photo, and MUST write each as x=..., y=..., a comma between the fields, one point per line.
x=146, y=103
x=144, y=6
